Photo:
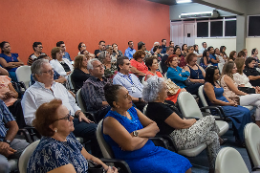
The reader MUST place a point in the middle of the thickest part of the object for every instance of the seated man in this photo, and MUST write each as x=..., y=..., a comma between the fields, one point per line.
x=62, y=46
x=129, y=81
x=92, y=90
x=9, y=147
x=46, y=89
x=37, y=48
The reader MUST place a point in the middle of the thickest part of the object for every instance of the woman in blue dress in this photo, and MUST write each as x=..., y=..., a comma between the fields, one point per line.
x=127, y=131
x=239, y=115
x=8, y=60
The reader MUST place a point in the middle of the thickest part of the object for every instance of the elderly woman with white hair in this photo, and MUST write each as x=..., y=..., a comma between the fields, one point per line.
x=187, y=133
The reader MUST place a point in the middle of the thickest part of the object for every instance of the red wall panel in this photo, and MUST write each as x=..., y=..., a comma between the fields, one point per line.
x=48, y=21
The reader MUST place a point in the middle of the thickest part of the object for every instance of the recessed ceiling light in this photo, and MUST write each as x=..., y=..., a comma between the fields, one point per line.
x=183, y=1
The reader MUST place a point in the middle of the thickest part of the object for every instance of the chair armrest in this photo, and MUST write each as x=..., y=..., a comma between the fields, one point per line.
x=91, y=116
x=256, y=168
x=33, y=132
x=26, y=135
x=170, y=141
x=121, y=165
x=159, y=141
x=217, y=108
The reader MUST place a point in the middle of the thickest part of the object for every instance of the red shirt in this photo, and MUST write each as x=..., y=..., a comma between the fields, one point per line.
x=140, y=66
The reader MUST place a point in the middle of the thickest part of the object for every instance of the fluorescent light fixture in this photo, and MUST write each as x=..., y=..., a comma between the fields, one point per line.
x=183, y=1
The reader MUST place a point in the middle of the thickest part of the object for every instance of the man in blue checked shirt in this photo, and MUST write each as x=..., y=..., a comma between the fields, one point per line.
x=129, y=52
x=9, y=147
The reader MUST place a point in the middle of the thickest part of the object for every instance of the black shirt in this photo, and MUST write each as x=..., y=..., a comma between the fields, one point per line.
x=79, y=77
x=163, y=64
x=159, y=112
x=65, y=66
x=96, y=52
x=252, y=72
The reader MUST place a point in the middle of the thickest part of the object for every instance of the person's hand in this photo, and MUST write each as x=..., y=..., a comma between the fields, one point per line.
x=233, y=104
x=112, y=169
x=82, y=117
x=8, y=151
x=4, y=145
x=68, y=72
x=201, y=81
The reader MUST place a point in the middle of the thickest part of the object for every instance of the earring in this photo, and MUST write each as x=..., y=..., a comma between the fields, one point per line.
x=55, y=130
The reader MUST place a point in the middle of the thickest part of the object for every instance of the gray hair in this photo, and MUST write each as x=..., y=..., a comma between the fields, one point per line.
x=90, y=63
x=102, y=56
x=36, y=67
x=152, y=88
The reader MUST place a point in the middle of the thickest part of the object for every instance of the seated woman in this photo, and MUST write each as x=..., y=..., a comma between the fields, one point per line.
x=241, y=54
x=59, y=64
x=138, y=67
x=80, y=73
x=110, y=68
x=181, y=58
x=197, y=73
x=127, y=130
x=196, y=50
x=190, y=50
x=223, y=52
x=251, y=72
x=186, y=133
x=184, y=49
x=232, y=56
x=65, y=154
x=180, y=76
x=254, y=54
x=157, y=52
x=10, y=61
x=88, y=55
x=231, y=90
x=205, y=60
x=116, y=53
x=153, y=66
x=239, y=115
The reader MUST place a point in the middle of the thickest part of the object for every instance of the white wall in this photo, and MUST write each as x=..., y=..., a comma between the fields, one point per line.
x=252, y=43
x=230, y=43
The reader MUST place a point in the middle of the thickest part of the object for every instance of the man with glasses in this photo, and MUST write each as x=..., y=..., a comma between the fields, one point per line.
x=204, y=47
x=37, y=47
x=62, y=46
x=92, y=90
x=102, y=47
x=129, y=81
x=46, y=89
x=129, y=52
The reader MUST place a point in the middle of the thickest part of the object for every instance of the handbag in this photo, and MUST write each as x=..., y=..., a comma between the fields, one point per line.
x=172, y=87
x=187, y=82
x=247, y=90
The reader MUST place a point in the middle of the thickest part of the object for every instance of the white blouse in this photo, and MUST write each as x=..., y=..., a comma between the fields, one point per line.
x=242, y=79
x=58, y=67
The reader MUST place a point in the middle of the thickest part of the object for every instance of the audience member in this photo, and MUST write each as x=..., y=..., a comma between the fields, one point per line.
x=127, y=130
x=8, y=60
x=102, y=47
x=213, y=59
x=245, y=50
x=130, y=51
x=179, y=76
x=241, y=54
x=171, y=43
x=239, y=115
x=157, y=52
x=56, y=76
x=141, y=46
x=62, y=47
x=155, y=44
x=196, y=51
x=169, y=51
x=110, y=67
x=92, y=90
x=223, y=51
x=153, y=66
x=59, y=64
x=129, y=81
x=251, y=72
x=44, y=90
x=163, y=46
x=181, y=58
x=37, y=48
x=232, y=56
x=10, y=147
x=186, y=133
x=197, y=73
x=190, y=49
x=87, y=54
x=184, y=50
x=205, y=60
x=231, y=90
x=81, y=47
x=138, y=66
x=58, y=144
x=204, y=47
x=80, y=73
x=254, y=54
x=222, y=61
x=116, y=53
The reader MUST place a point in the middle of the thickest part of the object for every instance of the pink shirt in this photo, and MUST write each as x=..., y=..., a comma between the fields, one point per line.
x=4, y=88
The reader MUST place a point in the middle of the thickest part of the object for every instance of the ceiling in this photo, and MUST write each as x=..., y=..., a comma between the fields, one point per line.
x=166, y=2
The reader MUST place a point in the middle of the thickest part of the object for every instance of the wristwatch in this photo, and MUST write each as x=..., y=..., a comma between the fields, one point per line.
x=135, y=133
x=7, y=141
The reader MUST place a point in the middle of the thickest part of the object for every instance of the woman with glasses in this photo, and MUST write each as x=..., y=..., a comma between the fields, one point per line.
x=138, y=66
x=110, y=67
x=59, y=64
x=8, y=60
x=58, y=149
x=116, y=53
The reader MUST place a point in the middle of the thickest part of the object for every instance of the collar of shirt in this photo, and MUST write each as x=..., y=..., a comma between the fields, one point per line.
x=42, y=85
x=96, y=79
x=130, y=49
x=123, y=75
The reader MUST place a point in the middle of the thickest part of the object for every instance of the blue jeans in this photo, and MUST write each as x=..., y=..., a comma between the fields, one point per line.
x=4, y=165
x=88, y=132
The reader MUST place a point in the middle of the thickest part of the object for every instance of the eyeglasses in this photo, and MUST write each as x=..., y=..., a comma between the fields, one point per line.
x=40, y=47
x=127, y=63
x=49, y=71
x=83, y=46
x=67, y=117
x=63, y=46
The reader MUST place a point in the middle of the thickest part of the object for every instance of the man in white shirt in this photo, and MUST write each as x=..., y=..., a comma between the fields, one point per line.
x=129, y=81
x=204, y=47
x=46, y=89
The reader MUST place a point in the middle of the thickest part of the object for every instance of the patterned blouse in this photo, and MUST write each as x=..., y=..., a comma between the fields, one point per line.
x=51, y=154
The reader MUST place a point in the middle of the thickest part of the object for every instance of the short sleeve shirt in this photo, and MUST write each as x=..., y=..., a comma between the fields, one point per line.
x=12, y=58
x=5, y=117
x=159, y=112
x=51, y=154
x=4, y=88
x=139, y=66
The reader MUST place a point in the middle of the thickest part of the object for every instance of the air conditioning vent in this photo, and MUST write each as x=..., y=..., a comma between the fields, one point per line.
x=207, y=14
